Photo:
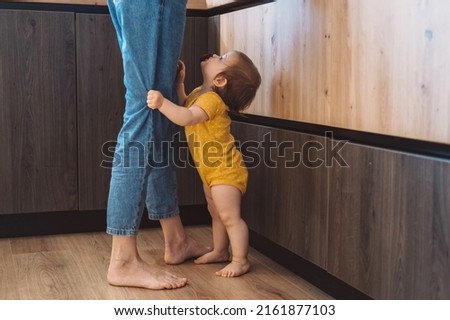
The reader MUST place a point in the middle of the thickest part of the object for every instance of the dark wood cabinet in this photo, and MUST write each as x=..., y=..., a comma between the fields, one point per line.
x=287, y=194
x=389, y=216
x=37, y=112
x=378, y=220
x=62, y=104
x=196, y=43
x=100, y=106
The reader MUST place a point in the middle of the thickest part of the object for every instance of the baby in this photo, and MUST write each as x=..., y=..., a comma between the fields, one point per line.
x=229, y=84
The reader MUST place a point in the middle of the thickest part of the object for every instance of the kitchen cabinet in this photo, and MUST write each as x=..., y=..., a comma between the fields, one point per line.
x=101, y=104
x=38, y=134
x=389, y=217
x=62, y=100
x=286, y=201
x=373, y=218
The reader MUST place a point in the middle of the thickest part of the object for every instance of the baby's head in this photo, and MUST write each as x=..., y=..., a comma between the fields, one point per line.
x=238, y=82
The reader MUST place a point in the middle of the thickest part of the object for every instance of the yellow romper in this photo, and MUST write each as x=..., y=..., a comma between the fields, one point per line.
x=212, y=146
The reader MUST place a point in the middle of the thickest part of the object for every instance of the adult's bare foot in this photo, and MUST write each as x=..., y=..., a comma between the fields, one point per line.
x=213, y=257
x=184, y=250
x=234, y=269
x=140, y=274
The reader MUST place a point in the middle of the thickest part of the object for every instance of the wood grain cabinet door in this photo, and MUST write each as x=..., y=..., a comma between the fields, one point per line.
x=100, y=106
x=38, y=156
x=286, y=199
x=389, y=218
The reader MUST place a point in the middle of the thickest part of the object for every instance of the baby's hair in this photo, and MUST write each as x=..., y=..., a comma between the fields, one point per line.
x=243, y=80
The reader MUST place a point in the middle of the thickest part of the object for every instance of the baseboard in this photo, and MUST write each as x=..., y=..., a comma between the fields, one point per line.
x=48, y=223
x=306, y=270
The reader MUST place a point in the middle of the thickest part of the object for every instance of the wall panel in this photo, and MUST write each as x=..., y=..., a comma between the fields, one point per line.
x=379, y=66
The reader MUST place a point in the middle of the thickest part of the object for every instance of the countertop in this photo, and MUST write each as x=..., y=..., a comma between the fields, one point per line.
x=191, y=4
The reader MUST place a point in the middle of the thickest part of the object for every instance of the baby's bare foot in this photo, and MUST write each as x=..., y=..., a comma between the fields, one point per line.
x=213, y=257
x=184, y=251
x=140, y=274
x=234, y=269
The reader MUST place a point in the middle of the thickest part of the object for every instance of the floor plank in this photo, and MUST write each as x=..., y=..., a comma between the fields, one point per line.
x=8, y=277
x=74, y=267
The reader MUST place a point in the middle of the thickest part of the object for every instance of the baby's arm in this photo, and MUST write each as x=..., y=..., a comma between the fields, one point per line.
x=177, y=114
x=181, y=74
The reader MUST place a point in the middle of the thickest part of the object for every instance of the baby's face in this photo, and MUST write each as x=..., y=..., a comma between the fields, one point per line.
x=212, y=64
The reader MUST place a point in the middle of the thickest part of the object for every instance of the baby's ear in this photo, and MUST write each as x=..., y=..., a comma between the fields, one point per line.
x=220, y=81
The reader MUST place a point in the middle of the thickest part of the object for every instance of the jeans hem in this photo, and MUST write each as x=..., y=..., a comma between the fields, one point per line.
x=121, y=232
x=170, y=214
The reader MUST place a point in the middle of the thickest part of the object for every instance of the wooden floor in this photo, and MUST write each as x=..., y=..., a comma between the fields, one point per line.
x=74, y=266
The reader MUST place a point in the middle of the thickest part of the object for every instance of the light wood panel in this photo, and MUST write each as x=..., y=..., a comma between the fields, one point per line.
x=74, y=267
x=378, y=65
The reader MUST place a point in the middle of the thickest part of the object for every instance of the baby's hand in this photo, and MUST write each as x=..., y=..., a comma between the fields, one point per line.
x=154, y=99
x=181, y=72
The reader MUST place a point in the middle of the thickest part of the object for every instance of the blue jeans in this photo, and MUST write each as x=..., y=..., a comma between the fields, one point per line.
x=150, y=36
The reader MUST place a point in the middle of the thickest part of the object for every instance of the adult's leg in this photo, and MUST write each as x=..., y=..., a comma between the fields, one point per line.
x=138, y=26
x=161, y=196
x=178, y=246
x=128, y=269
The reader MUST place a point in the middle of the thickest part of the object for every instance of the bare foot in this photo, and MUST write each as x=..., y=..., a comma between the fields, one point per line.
x=188, y=249
x=140, y=274
x=234, y=269
x=213, y=257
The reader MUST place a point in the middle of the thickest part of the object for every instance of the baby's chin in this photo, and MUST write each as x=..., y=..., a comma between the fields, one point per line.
x=205, y=57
